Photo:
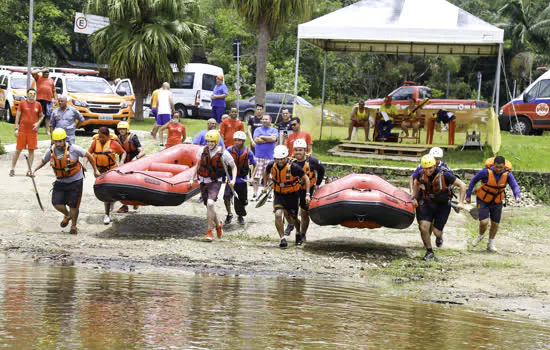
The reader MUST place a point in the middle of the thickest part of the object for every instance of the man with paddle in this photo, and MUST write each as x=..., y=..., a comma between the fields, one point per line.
x=67, y=189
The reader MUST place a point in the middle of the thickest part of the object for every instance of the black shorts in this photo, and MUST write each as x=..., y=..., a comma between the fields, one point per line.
x=242, y=192
x=302, y=194
x=288, y=202
x=492, y=210
x=46, y=105
x=435, y=213
x=210, y=191
x=67, y=193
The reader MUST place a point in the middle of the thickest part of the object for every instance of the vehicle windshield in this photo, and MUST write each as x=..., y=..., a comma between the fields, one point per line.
x=20, y=83
x=301, y=101
x=89, y=86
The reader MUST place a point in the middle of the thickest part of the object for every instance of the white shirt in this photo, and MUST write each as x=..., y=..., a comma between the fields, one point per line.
x=163, y=102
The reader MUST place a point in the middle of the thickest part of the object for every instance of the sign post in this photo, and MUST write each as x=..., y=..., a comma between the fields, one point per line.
x=29, y=51
x=237, y=57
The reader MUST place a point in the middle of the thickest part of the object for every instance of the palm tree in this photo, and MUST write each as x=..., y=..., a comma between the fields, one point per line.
x=268, y=17
x=143, y=38
x=527, y=23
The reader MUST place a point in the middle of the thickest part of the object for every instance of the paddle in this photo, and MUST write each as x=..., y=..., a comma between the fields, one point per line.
x=474, y=212
x=34, y=183
x=264, y=197
x=420, y=105
x=233, y=189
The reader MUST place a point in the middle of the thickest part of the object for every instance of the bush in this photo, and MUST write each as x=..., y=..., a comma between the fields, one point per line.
x=2, y=149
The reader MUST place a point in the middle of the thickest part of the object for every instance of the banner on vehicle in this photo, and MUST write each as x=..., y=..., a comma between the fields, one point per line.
x=87, y=24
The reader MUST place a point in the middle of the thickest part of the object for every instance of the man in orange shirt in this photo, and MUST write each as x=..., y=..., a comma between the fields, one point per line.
x=45, y=93
x=27, y=121
x=298, y=134
x=230, y=126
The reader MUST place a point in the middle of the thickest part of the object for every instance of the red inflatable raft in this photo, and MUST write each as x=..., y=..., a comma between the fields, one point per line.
x=362, y=201
x=161, y=179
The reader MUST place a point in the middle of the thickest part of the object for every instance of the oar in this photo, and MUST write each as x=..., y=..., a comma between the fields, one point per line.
x=474, y=212
x=34, y=183
x=263, y=199
x=230, y=186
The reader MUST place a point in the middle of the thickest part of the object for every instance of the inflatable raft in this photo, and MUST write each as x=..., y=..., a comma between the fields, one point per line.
x=161, y=179
x=362, y=201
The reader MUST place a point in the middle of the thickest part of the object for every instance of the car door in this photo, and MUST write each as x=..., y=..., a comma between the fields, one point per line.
x=272, y=104
x=125, y=89
x=208, y=85
x=538, y=104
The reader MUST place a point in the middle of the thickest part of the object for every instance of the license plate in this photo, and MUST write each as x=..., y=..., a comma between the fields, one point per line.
x=105, y=117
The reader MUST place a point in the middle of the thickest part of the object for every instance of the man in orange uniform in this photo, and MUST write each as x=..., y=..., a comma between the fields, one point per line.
x=27, y=121
x=45, y=93
x=230, y=126
x=297, y=133
x=176, y=131
x=104, y=149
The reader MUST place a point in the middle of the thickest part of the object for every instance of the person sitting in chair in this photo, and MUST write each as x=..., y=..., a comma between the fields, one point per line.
x=387, y=112
x=360, y=118
x=412, y=119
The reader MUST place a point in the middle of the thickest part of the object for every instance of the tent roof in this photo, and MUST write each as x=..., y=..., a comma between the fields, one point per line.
x=431, y=27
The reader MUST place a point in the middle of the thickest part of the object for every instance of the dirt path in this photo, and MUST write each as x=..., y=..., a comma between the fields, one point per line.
x=167, y=239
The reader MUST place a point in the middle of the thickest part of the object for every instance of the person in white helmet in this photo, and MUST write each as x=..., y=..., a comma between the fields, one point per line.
x=286, y=177
x=437, y=153
x=244, y=161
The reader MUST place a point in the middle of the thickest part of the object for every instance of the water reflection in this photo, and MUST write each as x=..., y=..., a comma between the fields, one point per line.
x=53, y=307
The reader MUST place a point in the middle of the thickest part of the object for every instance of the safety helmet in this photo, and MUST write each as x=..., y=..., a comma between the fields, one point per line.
x=212, y=135
x=123, y=125
x=299, y=143
x=59, y=134
x=427, y=161
x=239, y=135
x=436, y=152
x=280, y=152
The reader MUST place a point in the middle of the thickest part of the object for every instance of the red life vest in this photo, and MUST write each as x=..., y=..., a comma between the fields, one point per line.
x=283, y=180
x=493, y=191
x=104, y=156
x=211, y=167
x=64, y=167
x=437, y=190
x=241, y=161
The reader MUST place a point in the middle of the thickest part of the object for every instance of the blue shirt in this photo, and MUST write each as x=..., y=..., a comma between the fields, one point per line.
x=265, y=150
x=439, y=166
x=66, y=119
x=483, y=175
x=200, y=140
x=251, y=160
x=219, y=90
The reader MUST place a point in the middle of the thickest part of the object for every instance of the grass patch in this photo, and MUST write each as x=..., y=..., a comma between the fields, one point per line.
x=7, y=136
x=500, y=264
x=526, y=222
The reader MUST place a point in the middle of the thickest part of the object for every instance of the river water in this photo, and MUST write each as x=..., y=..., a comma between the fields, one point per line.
x=57, y=307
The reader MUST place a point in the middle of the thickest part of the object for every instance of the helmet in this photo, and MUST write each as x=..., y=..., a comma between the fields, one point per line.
x=59, y=134
x=299, y=143
x=427, y=161
x=123, y=125
x=239, y=135
x=212, y=135
x=436, y=152
x=280, y=152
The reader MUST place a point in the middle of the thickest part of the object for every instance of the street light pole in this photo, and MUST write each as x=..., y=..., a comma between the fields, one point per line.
x=29, y=52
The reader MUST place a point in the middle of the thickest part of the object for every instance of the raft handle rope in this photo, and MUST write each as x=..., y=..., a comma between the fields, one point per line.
x=362, y=190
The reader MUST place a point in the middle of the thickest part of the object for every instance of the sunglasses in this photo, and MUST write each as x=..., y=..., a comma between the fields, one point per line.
x=293, y=124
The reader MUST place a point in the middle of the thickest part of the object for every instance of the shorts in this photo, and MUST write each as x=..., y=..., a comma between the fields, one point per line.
x=210, y=191
x=492, y=210
x=302, y=195
x=154, y=112
x=435, y=213
x=288, y=202
x=46, y=107
x=67, y=193
x=261, y=164
x=162, y=119
x=358, y=123
x=27, y=140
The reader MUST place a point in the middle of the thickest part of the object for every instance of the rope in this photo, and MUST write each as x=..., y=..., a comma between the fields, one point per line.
x=511, y=101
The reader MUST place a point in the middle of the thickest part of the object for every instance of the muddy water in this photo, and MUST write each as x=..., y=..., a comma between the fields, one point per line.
x=55, y=307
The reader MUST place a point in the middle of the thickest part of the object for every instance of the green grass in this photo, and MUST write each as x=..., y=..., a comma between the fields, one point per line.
x=7, y=136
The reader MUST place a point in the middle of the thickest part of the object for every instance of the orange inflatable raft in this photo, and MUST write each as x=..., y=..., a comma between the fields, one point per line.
x=161, y=179
x=362, y=201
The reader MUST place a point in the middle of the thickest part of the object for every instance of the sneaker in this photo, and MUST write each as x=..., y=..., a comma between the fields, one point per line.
x=439, y=242
x=12, y=173
x=270, y=198
x=429, y=256
x=208, y=237
x=240, y=220
x=65, y=221
x=107, y=220
x=289, y=229
x=73, y=230
x=477, y=240
x=283, y=243
x=219, y=229
x=254, y=197
x=228, y=219
x=136, y=207
x=299, y=239
x=123, y=209
x=161, y=144
x=491, y=247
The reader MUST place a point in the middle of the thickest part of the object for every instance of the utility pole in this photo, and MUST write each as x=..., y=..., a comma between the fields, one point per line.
x=448, y=83
x=29, y=52
x=237, y=56
x=479, y=76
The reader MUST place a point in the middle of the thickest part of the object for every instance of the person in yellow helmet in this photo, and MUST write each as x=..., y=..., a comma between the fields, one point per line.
x=67, y=189
x=432, y=194
x=210, y=170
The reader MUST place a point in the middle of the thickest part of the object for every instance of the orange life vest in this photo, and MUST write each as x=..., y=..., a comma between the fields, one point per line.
x=211, y=167
x=64, y=166
x=104, y=156
x=437, y=190
x=128, y=145
x=493, y=191
x=283, y=180
x=241, y=161
x=309, y=172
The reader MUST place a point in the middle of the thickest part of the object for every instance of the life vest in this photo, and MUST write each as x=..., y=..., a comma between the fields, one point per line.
x=241, y=161
x=283, y=180
x=211, y=167
x=309, y=172
x=64, y=167
x=128, y=145
x=104, y=156
x=437, y=190
x=491, y=162
x=493, y=191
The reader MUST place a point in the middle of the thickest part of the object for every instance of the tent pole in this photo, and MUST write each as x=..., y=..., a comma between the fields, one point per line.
x=323, y=95
x=497, y=79
x=296, y=71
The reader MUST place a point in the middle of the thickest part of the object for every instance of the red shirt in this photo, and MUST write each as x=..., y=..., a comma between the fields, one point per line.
x=44, y=87
x=175, y=132
x=294, y=136
x=228, y=128
x=29, y=115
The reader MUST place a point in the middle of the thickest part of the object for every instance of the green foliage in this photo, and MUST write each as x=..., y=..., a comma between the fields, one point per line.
x=2, y=149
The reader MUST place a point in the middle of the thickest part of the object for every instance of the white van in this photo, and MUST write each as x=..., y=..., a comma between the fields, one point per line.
x=192, y=91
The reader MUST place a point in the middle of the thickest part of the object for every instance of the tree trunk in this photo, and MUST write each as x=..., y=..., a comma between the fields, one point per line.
x=261, y=61
x=139, y=104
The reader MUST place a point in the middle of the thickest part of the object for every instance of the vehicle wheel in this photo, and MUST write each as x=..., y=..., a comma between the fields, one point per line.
x=247, y=115
x=521, y=126
x=182, y=110
x=10, y=118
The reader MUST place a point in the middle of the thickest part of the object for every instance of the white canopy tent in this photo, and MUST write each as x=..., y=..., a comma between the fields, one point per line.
x=402, y=27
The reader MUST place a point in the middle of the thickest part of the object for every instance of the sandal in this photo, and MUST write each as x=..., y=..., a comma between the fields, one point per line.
x=12, y=173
